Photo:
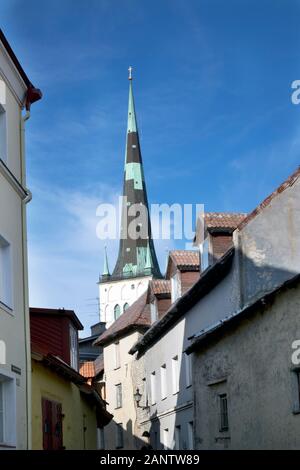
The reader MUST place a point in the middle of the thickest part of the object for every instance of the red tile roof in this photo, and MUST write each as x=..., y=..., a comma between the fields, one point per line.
x=185, y=259
x=219, y=220
x=137, y=315
x=160, y=286
x=87, y=369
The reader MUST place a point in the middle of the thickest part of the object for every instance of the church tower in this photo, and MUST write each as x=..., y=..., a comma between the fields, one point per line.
x=136, y=263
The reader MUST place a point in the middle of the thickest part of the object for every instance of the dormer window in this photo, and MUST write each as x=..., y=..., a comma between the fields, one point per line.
x=175, y=287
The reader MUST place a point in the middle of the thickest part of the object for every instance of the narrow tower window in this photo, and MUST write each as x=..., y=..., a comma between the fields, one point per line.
x=117, y=311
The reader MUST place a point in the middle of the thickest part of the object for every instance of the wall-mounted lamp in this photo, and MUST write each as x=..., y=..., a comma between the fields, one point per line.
x=137, y=398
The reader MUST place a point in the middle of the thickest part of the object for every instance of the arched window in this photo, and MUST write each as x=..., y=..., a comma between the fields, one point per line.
x=117, y=311
x=125, y=307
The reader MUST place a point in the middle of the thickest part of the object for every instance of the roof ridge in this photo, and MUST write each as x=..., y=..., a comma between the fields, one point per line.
x=266, y=202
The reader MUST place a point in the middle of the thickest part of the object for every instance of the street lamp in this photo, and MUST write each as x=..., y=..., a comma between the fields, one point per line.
x=137, y=397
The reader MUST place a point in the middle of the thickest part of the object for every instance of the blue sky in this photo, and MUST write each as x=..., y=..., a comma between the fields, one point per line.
x=212, y=89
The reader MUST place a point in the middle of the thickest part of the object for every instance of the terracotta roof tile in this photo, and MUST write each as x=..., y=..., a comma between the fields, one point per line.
x=160, y=286
x=87, y=369
x=185, y=259
x=223, y=219
x=138, y=314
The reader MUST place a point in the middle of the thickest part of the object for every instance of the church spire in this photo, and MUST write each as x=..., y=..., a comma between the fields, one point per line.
x=136, y=256
x=105, y=264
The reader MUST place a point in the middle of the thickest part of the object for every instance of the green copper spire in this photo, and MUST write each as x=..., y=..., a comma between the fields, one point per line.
x=131, y=121
x=136, y=253
x=105, y=266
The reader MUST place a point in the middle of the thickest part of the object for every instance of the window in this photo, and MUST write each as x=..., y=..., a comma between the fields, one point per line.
x=119, y=436
x=117, y=355
x=188, y=370
x=153, y=388
x=175, y=287
x=119, y=396
x=73, y=347
x=5, y=273
x=153, y=311
x=3, y=133
x=7, y=410
x=166, y=439
x=163, y=381
x=191, y=435
x=204, y=250
x=126, y=305
x=117, y=311
x=175, y=375
x=223, y=412
x=155, y=443
x=177, y=437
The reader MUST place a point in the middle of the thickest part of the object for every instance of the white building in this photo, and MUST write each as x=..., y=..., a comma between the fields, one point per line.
x=167, y=368
x=16, y=92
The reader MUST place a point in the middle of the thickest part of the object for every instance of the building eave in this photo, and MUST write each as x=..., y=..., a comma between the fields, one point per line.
x=204, y=338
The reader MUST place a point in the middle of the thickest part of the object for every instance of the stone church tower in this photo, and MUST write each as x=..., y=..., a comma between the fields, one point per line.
x=136, y=263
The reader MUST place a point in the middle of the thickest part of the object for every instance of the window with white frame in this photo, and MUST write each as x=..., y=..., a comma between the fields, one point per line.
x=119, y=436
x=7, y=410
x=73, y=347
x=175, y=374
x=191, y=435
x=3, y=130
x=153, y=311
x=117, y=355
x=6, y=295
x=175, y=287
x=153, y=388
x=178, y=437
x=163, y=381
x=119, y=400
x=204, y=250
x=188, y=370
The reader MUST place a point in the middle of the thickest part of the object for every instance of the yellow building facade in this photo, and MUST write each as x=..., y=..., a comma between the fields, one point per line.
x=78, y=406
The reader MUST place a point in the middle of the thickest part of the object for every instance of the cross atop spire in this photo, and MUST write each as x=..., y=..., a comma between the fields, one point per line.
x=130, y=73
